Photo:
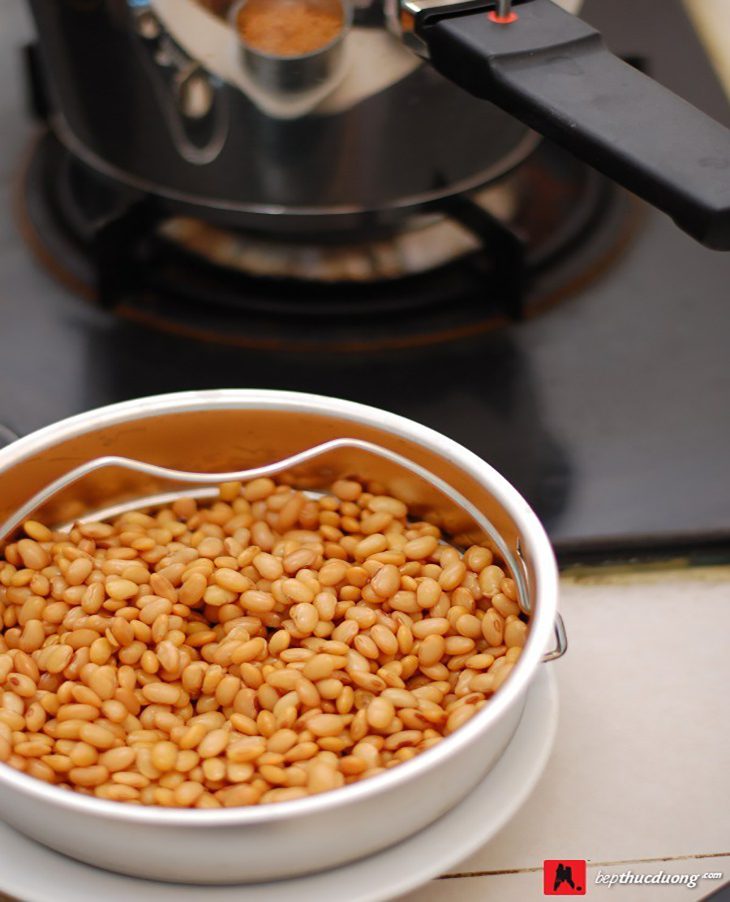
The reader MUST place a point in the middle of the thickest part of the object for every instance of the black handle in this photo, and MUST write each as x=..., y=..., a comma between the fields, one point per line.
x=553, y=71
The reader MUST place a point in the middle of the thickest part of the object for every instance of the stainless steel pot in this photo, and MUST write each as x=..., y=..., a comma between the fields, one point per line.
x=221, y=430
x=156, y=95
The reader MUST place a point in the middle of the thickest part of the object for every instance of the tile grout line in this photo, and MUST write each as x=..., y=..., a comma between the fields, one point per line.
x=590, y=864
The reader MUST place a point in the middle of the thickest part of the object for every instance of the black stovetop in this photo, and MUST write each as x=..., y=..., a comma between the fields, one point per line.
x=609, y=412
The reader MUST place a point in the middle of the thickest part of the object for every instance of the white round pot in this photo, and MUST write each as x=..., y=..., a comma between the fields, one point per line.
x=215, y=431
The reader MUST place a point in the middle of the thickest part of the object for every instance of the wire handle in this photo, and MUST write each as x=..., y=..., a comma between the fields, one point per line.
x=513, y=561
x=7, y=435
x=561, y=642
x=184, y=476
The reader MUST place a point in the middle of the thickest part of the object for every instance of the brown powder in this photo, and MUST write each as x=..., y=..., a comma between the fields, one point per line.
x=289, y=27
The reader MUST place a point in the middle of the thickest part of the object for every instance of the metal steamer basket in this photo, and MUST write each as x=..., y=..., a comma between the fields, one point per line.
x=219, y=431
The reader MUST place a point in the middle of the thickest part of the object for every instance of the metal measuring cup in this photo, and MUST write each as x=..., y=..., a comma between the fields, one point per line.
x=293, y=75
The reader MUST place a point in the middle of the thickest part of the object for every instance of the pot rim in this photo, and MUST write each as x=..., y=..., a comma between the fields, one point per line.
x=544, y=602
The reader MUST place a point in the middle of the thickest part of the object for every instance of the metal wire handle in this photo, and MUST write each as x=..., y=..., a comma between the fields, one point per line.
x=561, y=641
x=7, y=435
x=209, y=479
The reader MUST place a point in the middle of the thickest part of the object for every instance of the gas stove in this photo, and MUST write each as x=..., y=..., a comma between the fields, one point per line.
x=607, y=410
x=507, y=251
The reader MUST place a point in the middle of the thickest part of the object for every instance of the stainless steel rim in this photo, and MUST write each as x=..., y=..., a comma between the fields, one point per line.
x=509, y=162
x=543, y=595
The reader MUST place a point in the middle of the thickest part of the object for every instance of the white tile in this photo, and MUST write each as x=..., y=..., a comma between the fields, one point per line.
x=640, y=766
x=712, y=22
x=504, y=887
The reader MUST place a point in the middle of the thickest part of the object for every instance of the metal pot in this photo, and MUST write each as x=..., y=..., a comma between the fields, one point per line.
x=157, y=95
x=219, y=430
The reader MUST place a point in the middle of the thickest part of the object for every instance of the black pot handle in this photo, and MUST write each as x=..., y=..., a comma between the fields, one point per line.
x=553, y=71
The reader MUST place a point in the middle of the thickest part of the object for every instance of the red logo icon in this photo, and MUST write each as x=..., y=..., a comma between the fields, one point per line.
x=564, y=877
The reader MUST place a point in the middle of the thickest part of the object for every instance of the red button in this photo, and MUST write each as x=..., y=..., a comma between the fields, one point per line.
x=502, y=20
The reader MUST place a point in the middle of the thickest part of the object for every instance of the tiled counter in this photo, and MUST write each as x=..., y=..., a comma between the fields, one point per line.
x=640, y=775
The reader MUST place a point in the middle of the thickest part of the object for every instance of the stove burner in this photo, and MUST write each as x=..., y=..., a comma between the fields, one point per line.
x=508, y=251
x=429, y=242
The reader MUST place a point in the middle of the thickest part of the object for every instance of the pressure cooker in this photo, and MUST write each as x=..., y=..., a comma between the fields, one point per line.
x=413, y=102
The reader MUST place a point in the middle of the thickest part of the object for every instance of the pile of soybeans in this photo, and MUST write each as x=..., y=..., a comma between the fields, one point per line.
x=256, y=648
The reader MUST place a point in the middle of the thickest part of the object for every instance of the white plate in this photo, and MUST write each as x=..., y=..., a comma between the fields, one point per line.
x=33, y=873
